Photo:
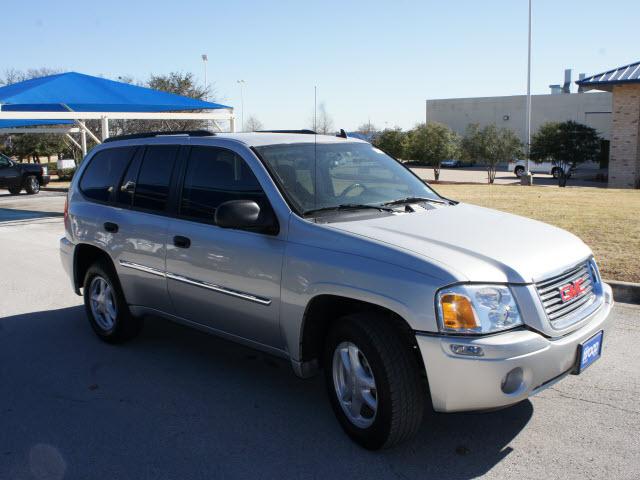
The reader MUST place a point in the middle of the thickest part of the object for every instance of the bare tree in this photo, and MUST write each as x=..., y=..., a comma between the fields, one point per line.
x=368, y=129
x=253, y=124
x=322, y=122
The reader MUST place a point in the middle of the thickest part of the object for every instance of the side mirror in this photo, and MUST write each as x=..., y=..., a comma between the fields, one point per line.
x=245, y=215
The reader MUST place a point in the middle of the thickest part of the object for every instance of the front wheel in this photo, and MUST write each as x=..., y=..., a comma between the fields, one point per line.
x=32, y=184
x=555, y=172
x=374, y=381
x=519, y=171
x=105, y=305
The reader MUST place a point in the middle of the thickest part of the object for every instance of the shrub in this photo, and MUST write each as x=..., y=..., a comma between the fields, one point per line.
x=66, y=174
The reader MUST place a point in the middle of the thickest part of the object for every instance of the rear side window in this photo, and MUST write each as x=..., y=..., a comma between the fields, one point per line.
x=104, y=172
x=214, y=176
x=152, y=187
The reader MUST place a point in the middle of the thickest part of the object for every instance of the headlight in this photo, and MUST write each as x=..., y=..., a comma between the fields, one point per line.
x=477, y=309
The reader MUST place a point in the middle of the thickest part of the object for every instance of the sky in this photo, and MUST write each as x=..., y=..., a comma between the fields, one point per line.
x=374, y=61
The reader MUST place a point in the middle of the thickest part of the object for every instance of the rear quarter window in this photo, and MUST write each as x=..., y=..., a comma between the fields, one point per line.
x=104, y=171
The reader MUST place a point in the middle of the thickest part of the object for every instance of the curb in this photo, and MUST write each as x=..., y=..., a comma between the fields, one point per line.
x=625, y=292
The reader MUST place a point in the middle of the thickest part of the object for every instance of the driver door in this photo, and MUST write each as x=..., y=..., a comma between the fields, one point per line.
x=222, y=278
x=9, y=174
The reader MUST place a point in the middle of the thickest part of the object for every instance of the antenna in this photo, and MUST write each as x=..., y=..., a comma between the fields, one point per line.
x=315, y=147
x=315, y=109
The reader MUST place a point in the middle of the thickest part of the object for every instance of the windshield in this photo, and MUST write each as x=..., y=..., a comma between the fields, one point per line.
x=316, y=176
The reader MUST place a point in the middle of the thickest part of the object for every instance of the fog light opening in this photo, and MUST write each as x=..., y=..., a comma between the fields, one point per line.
x=467, y=350
x=512, y=382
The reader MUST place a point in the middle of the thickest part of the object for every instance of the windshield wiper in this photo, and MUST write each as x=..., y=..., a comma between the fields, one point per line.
x=348, y=206
x=415, y=200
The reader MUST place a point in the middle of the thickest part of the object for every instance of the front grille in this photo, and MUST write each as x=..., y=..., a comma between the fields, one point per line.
x=550, y=291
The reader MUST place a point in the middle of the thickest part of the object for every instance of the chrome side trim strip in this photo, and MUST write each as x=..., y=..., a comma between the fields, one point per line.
x=142, y=268
x=197, y=283
x=219, y=289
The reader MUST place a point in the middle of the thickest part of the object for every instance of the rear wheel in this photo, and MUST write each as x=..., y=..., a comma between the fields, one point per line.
x=374, y=381
x=519, y=171
x=32, y=184
x=106, y=308
x=15, y=190
x=555, y=172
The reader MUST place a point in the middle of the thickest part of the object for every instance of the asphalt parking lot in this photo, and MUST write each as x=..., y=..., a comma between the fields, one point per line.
x=176, y=403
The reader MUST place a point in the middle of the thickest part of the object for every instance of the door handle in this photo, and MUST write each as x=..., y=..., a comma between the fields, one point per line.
x=181, y=242
x=128, y=187
x=111, y=227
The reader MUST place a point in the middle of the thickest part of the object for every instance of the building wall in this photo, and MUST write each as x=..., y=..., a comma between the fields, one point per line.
x=624, y=162
x=593, y=109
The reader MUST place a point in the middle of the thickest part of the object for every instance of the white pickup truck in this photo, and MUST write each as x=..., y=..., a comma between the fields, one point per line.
x=550, y=168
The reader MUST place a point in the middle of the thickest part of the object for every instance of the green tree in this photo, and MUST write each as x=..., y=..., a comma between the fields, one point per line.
x=431, y=143
x=471, y=144
x=566, y=144
x=490, y=146
x=498, y=145
x=391, y=141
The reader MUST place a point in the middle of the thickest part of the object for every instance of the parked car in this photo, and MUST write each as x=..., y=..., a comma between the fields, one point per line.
x=329, y=253
x=451, y=163
x=15, y=176
x=550, y=168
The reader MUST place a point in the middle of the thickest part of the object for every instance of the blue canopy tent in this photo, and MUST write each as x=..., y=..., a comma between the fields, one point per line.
x=75, y=97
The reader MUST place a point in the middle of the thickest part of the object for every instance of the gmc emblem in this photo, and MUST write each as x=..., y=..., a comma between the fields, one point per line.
x=572, y=290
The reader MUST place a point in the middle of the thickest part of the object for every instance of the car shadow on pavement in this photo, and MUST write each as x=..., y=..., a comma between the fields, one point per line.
x=13, y=215
x=177, y=403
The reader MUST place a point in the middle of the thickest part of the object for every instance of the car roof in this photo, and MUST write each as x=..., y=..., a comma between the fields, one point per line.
x=249, y=139
x=259, y=139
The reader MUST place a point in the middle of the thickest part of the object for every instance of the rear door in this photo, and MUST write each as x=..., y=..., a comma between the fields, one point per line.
x=225, y=279
x=143, y=199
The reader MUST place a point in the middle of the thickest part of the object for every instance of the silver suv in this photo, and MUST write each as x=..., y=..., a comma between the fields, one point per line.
x=329, y=253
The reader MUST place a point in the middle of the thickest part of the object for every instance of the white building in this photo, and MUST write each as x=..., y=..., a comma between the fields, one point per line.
x=593, y=109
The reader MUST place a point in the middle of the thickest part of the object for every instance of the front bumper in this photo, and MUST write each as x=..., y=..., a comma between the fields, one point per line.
x=462, y=383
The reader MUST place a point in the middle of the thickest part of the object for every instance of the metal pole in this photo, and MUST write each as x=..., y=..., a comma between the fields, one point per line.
x=241, y=83
x=528, y=113
x=206, y=85
x=105, y=127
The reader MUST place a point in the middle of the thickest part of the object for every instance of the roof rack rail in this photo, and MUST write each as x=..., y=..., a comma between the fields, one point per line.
x=188, y=133
x=303, y=131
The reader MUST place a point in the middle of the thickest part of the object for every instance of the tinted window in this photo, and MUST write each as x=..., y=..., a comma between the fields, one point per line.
x=4, y=161
x=215, y=176
x=152, y=187
x=124, y=194
x=104, y=172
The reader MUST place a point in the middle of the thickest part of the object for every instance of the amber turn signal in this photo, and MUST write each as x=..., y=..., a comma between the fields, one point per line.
x=457, y=312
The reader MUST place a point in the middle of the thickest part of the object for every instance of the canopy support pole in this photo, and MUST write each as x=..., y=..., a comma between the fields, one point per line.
x=105, y=127
x=73, y=141
x=83, y=141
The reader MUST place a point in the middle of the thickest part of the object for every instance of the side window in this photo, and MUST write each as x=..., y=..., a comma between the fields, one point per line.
x=103, y=174
x=214, y=176
x=124, y=195
x=152, y=187
x=4, y=162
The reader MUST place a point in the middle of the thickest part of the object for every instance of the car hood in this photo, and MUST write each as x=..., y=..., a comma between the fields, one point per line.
x=475, y=243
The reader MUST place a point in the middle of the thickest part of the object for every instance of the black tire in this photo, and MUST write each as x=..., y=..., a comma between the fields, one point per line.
x=15, y=190
x=32, y=184
x=401, y=392
x=555, y=172
x=125, y=326
x=519, y=171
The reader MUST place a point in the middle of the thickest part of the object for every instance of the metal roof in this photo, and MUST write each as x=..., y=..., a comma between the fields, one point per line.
x=621, y=75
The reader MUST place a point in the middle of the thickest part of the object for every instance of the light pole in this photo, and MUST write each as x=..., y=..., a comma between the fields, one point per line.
x=527, y=179
x=241, y=83
x=205, y=59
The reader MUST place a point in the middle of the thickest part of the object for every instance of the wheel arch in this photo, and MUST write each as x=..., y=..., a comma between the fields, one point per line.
x=84, y=256
x=324, y=310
